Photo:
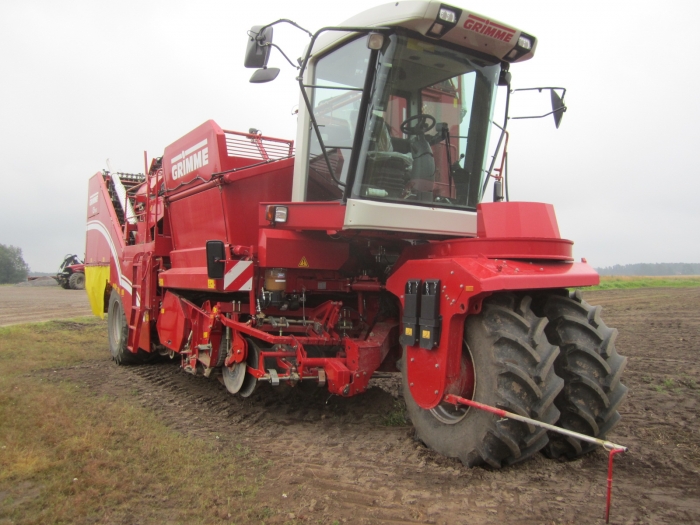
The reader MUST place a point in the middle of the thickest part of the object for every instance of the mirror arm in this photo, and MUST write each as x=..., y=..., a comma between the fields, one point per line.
x=286, y=21
x=540, y=89
x=562, y=109
x=270, y=44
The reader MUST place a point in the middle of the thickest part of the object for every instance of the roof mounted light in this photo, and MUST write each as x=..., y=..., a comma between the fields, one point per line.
x=446, y=19
x=525, y=43
x=447, y=15
x=525, y=46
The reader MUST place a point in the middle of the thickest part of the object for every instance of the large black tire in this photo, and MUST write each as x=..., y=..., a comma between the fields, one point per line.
x=64, y=284
x=590, y=366
x=118, y=331
x=513, y=370
x=77, y=281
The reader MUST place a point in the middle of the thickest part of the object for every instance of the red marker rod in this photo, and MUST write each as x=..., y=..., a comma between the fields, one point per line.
x=608, y=445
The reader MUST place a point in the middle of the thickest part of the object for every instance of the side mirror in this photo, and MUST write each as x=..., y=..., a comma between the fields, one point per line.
x=258, y=50
x=558, y=108
x=558, y=105
x=215, y=259
x=264, y=75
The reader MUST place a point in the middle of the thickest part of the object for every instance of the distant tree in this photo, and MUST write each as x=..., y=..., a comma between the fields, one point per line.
x=13, y=269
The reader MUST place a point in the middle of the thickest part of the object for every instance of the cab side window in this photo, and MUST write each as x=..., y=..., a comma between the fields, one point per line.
x=338, y=83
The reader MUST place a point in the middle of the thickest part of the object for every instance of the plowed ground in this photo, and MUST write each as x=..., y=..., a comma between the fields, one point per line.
x=27, y=304
x=334, y=460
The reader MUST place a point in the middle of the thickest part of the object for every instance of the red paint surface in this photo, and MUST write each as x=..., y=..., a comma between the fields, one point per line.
x=510, y=220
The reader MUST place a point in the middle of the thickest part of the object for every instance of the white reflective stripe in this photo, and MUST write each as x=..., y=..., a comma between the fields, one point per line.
x=188, y=151
x=98, y=226
x=234, y=272
x=248, y=286
x=196, y=147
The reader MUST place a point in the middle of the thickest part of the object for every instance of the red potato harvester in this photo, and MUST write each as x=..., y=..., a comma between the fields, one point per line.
x=367, y=248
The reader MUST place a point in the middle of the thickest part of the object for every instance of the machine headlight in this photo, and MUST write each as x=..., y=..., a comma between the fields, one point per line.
x=446, y=19
x=276, y=214
x=375, y=41
x=448, y=15
x=525, y=43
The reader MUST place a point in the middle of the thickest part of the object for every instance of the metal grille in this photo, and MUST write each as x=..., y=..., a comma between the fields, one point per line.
x=254, y=146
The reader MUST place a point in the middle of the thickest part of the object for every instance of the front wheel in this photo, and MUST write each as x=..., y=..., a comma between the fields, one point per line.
x=511, y=362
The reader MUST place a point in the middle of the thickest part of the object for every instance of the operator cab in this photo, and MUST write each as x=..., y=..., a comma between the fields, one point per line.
x=423, y=140
x=396, y=113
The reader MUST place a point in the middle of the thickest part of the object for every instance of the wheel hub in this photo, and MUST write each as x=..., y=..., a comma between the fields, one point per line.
x=451, y=414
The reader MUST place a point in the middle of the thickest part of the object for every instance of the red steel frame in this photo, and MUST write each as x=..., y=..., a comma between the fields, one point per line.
x=158, y=266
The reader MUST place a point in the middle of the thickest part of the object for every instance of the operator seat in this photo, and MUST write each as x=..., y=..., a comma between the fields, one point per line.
x=387, y=170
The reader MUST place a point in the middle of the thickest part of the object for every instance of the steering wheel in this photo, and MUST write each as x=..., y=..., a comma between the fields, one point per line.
x=424, y=123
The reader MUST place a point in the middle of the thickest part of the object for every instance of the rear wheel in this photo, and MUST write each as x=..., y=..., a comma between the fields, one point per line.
x=513, y=369
x=591, y=368
x=118, y=332
x=77, y=281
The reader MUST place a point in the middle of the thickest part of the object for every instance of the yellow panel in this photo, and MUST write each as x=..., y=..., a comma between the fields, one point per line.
x=96, y=279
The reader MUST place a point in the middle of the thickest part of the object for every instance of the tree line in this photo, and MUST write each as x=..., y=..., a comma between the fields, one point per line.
x=650, y=269
x=13, y=269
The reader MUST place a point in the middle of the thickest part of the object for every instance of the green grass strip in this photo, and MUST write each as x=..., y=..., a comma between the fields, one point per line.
x=629, y=283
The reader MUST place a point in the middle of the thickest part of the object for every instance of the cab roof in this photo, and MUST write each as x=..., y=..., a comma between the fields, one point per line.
x=441, y=22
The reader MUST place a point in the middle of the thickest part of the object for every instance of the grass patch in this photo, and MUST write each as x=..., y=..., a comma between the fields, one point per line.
x=396, y=417
x=631, y=282
x=684, y=385
x=67, y=456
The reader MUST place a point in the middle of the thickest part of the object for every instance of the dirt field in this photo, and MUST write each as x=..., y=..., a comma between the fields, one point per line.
x=335, y=460
x=26, y=304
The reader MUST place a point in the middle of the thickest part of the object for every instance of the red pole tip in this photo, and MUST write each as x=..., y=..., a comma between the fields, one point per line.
x=610, y=479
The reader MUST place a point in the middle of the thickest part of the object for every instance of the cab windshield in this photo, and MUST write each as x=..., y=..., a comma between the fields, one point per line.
x=426, y=126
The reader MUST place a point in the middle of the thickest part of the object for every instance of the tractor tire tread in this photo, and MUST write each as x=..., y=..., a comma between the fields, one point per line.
x=77, y=281
x=514, y=357
x=590, y=366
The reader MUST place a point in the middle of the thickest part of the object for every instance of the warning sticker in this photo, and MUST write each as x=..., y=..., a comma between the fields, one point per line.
x=425, y=334
x=210, y=284
x=303, y=263
x=409, y=331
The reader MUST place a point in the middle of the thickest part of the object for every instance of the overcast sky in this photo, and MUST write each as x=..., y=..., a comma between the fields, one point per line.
x=81, y=82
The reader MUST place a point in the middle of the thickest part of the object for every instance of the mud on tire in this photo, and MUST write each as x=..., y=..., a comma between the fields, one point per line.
x=514, y=370
x=118, y=332
x=590, y=366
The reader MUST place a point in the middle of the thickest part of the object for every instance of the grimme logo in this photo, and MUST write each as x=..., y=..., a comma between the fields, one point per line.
x=190, y=160
x=488, y=28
